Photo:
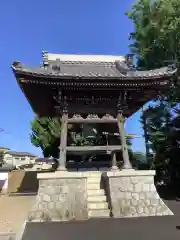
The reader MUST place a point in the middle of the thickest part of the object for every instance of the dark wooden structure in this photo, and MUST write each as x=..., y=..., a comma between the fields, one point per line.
x=90, y=89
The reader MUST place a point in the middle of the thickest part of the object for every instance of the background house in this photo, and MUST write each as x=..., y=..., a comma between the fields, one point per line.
x=19, y=159
x=2, y=151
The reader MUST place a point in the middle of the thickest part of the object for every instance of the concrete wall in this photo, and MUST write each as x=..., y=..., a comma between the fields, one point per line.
x=19, y=181
x=3, y=182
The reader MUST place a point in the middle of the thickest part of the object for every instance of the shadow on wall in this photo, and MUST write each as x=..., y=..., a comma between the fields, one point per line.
x=2, y=183
x=21, y=181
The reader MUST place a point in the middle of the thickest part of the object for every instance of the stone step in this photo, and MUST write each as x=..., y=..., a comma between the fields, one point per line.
x=93, y=186
x=97, y=198
x=100, y=213
x=97, y=205
x=95, y=192
x=94, y=180
x=93, y=174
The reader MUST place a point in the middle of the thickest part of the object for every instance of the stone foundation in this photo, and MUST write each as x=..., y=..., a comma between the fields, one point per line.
x=132, y=193
x=62, y=196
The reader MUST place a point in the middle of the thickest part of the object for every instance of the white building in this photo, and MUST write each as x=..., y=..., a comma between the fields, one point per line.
x=19, y=159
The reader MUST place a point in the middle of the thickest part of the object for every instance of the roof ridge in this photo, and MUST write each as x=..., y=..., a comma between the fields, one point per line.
x=96, y=63
x=83, y=57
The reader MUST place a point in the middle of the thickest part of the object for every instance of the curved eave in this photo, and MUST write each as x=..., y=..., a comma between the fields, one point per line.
x=25, y=73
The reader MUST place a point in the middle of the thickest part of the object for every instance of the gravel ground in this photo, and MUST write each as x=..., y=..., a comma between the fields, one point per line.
x=14, y=211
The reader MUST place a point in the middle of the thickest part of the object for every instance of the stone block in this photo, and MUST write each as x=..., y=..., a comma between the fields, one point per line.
x=132, y=193
x=61, y=198
x=135, y=195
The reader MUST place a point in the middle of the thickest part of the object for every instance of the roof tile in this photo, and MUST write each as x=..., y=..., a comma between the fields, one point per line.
x=94, y=69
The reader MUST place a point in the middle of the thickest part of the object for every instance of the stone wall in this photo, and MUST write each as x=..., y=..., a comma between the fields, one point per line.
x=133, y=194
x=60, y=198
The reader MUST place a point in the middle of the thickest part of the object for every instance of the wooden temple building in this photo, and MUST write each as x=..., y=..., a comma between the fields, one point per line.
x=90, y=90
x=101, y=91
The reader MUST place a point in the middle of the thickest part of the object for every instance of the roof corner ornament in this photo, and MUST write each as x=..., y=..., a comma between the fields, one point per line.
x=45, y=55
x=129, y=60
x=171, y=67
x=17, y=64
x=45, y=62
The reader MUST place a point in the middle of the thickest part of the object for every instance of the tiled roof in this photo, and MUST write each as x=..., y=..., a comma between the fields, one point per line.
x=21, y=154
x=4, y=148
x=90, y=70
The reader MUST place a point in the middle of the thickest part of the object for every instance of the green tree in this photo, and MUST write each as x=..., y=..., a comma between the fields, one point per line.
x=156, y=36
x=46, y=135
x=155, y=41
x=139, y=160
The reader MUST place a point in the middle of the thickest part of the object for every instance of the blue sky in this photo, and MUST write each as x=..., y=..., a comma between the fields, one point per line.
x=58, y=26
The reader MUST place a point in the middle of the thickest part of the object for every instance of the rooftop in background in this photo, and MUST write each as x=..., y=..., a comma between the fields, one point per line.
x=132, y=136
x=21, y=154
x=4, y=148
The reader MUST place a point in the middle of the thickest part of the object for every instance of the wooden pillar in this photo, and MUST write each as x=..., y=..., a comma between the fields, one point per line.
x=63, y=142
x=127, y=163
x=114, y=162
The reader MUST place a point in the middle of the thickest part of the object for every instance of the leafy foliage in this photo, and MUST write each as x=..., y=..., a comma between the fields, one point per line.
x=46, y=135
x=156, y=36
x=139, y=160
x=156, y=42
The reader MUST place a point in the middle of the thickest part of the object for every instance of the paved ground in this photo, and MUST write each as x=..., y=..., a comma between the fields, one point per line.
x=160, y=228
x=14, y=211
x=8, y=236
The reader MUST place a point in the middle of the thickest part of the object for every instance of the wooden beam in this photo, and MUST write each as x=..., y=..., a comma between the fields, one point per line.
x=82, y=120
x=93, y=148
